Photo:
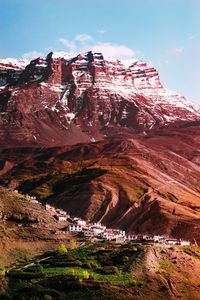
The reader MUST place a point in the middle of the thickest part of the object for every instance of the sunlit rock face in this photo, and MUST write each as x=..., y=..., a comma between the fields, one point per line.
x=66, y=99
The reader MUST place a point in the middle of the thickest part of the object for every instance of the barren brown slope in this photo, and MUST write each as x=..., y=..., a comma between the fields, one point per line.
x=139, y=183
x=171, y=272
x=25, y=228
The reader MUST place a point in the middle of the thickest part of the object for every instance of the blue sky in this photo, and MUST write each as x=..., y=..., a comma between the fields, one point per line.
x=164, y=33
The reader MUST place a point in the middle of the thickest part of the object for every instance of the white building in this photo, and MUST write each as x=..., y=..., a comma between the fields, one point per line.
x=171, y=241
x=184, y=243
x=113, y=234
x=93, y=229
x=62, y=218
x=106, y=236
x=157, y=238
x=81, y=222
x=120, y=239
x=148, y=238
x=88, y=233
x=97, y=230
x=132, y=237
x=74, y=227
x=154, y=238
x=119, y=233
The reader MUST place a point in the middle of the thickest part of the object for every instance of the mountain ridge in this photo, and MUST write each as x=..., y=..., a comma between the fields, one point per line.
x=85, y=96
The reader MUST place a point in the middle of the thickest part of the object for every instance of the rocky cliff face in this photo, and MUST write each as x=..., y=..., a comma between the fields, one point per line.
x=64, y=100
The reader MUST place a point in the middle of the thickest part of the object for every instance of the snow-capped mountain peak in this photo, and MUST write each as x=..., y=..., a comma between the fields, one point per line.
x=89, y=92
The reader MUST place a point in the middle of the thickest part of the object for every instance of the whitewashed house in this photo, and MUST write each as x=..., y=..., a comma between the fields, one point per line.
x=148, y=238
x=62, y=218
x=88, y=233
x=184, y=243
x=132, y=237
x=92, y=230
x=171, y=241
x=97, y=228
x=81, y=222
x=113, y=234
x=74, y=227
x=157, y=238
x=119, y=239
x=107, y=234
x=119, y=233
x=153, y=238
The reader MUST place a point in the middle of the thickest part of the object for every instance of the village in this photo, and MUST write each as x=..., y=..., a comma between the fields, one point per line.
x=95, y=231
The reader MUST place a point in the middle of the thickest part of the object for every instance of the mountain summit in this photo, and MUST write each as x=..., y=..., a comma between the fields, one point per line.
x=65, y=99
x=136, y=162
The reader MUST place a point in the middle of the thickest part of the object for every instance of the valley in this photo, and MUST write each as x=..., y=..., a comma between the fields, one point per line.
x=88, y=138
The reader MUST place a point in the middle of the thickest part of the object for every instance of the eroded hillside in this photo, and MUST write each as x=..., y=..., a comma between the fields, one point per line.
x=146, y=184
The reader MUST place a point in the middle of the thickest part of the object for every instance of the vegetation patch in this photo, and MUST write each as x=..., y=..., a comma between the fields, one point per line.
x=193, y=251
x=91, y=265
x=55, y=183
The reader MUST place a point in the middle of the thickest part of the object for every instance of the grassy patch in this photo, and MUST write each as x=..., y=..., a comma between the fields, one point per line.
x=193, y=251
x=168, y=269
x=103, y=263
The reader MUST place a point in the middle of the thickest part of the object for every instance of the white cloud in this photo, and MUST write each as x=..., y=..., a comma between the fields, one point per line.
x=69, y=44
x=101, y=31
x=83, y=37
x=114, y=50
x=117, y=51
x=32, y=54
x=178, y=50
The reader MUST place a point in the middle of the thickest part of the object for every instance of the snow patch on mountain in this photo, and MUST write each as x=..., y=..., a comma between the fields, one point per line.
x=12, y=63
x=98, y=90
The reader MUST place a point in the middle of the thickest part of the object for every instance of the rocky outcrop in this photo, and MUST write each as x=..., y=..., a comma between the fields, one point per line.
x=64, y=100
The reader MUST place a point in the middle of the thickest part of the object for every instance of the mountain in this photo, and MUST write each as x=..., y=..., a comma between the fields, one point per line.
x=65, y=99
x=147, y=184
x=102, y=139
